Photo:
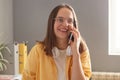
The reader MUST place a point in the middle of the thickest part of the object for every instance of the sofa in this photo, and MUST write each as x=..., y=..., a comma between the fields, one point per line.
x=105, y=76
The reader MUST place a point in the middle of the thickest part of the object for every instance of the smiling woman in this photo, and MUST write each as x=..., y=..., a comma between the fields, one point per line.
x=50, y=59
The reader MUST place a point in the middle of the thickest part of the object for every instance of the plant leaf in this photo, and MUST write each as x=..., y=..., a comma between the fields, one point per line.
x=1, y=56
x=4, y=61
x=8, y=49
x=4, y=66
x=1, y=66
x=1, y=48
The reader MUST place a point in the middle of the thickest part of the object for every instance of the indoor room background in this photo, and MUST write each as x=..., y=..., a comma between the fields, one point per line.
x=26, y=20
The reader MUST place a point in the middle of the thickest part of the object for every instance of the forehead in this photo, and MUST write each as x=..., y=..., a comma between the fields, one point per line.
x=65, y=12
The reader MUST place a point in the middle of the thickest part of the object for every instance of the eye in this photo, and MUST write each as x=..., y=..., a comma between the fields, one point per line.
x=61, y=20
x=70, y=21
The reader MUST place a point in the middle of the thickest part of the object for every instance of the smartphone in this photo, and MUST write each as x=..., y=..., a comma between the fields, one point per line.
x=71, y=38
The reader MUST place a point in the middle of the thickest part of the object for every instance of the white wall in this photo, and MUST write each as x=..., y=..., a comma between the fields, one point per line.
x=6, y=31
x=30, y=21
x=6, y=21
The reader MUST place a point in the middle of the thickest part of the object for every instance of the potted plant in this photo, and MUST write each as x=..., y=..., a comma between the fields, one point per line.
x=3, y=61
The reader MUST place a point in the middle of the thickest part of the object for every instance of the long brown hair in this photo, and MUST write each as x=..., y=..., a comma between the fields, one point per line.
x=50, y=38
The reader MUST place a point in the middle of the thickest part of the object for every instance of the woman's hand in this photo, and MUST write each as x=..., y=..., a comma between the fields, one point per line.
x=77, y=39
x=77, y=70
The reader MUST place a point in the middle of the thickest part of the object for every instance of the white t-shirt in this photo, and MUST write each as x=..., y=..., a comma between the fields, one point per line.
x=60, y=59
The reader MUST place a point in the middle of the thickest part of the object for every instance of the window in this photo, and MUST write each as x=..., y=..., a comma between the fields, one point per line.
x=114, y=27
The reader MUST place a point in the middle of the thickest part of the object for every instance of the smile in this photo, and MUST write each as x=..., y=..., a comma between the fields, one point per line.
x=63, y=30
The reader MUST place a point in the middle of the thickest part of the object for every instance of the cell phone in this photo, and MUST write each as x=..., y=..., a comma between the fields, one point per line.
x=71, y=38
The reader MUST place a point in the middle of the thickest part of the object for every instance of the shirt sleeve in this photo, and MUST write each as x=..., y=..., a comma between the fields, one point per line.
x=30, y=68
x=86, y=63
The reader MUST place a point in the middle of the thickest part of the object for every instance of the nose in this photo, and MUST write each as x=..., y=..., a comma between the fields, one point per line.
x=65, y=23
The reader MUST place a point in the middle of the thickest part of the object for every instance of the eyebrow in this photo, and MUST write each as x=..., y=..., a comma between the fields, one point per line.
x=62, y=17
x=59, y=17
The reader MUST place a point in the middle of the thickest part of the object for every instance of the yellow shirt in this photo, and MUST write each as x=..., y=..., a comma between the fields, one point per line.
x=39, y=66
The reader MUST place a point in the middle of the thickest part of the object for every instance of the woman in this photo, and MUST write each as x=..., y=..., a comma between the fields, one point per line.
x=58, y=57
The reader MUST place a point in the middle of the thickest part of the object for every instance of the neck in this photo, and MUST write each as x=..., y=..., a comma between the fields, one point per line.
x=62, y=44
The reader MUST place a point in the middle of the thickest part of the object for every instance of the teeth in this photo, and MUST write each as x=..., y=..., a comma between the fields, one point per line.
x=63, y=30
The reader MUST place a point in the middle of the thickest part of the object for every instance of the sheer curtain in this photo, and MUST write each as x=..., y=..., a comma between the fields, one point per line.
x=114, y=27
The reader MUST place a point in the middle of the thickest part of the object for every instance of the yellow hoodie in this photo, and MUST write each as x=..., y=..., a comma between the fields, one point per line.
x=39, y=66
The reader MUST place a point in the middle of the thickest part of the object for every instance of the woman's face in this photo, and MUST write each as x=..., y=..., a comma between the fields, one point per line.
x=63, y=19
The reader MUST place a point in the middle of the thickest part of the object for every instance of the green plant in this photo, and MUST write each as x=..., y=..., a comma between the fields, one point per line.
x=3, y=61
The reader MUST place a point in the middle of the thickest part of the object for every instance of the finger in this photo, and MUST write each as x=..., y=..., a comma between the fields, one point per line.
x=76, y=31
x=73, y=29
x=74, y=35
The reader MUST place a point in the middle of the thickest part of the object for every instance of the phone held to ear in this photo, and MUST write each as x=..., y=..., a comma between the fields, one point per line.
x=71, y=38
